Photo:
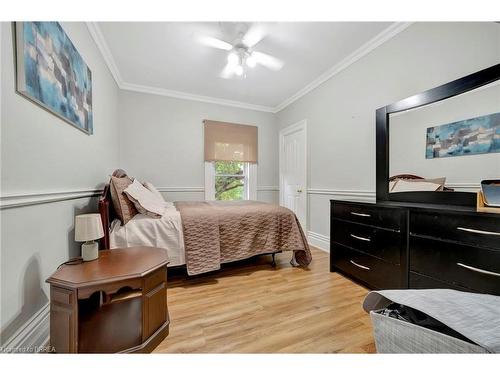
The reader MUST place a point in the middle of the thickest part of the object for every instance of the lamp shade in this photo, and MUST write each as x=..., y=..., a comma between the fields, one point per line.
x=88, y=227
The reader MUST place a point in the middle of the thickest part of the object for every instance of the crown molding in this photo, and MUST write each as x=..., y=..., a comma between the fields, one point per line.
x=188, y=96
x=366, y=48
x=99, y=40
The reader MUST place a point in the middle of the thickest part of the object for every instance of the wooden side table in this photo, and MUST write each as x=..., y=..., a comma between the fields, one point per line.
x=116, y=303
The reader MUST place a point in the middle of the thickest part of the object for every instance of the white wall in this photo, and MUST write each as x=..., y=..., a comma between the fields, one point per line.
x=161, y=140
x=341, y=112
x=43, y=154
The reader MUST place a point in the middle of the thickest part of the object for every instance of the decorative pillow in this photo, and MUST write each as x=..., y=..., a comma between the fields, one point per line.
x=154, y=190
x=125, y=209
x=414, y=185
x=392, y=184
x=439, y=180
x=146, y=202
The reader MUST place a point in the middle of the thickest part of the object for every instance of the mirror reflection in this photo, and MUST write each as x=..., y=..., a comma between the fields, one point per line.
x=451, y=145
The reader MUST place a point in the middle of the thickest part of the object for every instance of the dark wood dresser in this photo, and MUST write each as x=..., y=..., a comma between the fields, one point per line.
x=415, y=245
x=116, y=303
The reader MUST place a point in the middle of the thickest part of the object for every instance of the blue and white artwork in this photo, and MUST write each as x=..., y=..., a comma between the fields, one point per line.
x=51, y=72
x=478, y=135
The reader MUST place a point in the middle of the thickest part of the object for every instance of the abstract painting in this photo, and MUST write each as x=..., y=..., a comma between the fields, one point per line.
x=478, y=135
x=51, y=72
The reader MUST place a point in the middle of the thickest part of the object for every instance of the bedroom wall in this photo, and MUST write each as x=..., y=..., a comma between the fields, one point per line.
x=161, y=140
x=50, y=172
x=341, y=111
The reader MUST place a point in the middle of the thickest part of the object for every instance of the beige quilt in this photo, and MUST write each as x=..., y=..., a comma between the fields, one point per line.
x=217, y=232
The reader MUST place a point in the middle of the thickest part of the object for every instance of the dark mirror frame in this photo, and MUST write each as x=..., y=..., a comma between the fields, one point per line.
x=448, y=90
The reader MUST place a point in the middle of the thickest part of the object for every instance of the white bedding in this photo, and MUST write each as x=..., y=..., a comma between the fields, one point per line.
x=142, y=230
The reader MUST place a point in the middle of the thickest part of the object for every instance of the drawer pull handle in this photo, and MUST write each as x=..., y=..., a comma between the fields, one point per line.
x=478, y=270
x=360, y=238
x=359, y=265
x=478, y=231
x=360, y=214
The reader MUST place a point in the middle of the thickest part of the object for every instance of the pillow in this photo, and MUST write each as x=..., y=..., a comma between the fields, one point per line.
x=146, y=202
x=124, y=208
x=414, y=185
x=154, y=190
x=439, y=180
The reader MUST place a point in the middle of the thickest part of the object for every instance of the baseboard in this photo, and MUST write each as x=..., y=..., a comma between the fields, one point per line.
x=318, y=240
x=33, y=336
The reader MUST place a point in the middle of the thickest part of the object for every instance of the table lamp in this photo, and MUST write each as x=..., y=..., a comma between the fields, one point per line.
x=88, y=228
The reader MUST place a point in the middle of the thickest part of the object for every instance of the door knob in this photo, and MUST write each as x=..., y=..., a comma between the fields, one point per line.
x=299, y=190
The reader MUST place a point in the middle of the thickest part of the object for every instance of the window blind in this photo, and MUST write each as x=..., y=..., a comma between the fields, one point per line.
x=226, y=141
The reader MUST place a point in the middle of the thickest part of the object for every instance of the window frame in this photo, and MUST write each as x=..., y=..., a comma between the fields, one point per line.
x=249, y=175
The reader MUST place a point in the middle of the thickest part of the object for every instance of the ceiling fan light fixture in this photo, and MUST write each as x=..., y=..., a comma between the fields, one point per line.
x=233, y=58
x=250, y=61
x=238, y=70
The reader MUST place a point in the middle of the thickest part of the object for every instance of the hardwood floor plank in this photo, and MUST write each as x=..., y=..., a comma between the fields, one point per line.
x=251, y=307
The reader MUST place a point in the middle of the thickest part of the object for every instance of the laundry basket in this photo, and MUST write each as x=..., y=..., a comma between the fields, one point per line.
x=397, y=336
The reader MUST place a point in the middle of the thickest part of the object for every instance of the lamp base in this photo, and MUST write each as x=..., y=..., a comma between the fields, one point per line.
x=90, y=251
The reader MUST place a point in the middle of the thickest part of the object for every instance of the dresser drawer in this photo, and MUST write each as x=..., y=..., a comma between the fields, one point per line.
x=465, y=266
x=381, y=243
x=372, y=271
x=385, y=217
x=418, y=281
x=474, y=230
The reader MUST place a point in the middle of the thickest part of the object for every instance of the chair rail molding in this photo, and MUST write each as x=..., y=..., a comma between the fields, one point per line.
x=201, y=189
x=32, y=198
x=357, y=195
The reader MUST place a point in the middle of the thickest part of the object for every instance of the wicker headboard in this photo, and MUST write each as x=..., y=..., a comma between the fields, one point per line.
x=107, y=210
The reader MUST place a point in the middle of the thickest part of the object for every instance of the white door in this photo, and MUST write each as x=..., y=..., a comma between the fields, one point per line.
x=293, y=170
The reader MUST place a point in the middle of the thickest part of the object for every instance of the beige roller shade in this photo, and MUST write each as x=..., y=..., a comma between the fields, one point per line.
x=230, y=142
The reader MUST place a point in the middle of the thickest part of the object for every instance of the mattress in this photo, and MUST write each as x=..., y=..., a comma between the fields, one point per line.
x=141, y=230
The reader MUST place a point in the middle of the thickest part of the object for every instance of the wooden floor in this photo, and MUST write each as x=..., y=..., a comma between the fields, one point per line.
x=252, y=308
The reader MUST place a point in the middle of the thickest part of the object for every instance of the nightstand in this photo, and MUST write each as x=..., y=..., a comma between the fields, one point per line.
x=114, y=304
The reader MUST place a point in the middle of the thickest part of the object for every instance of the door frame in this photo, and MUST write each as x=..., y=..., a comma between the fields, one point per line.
x=300, y=125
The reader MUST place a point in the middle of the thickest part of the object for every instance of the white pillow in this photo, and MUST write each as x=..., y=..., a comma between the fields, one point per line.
x=404, y=186
x=154, y=190
x=146, y=202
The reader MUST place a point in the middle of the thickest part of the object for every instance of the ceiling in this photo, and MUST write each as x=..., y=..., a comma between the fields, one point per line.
x=166, y=57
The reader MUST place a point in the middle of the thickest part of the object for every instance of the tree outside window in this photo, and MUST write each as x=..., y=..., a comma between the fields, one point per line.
x=231, y=180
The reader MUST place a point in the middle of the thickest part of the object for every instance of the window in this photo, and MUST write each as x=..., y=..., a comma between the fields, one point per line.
x=230, y=180
x=230, y=161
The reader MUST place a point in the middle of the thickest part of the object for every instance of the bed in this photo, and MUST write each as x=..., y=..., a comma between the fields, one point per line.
x=204, y=235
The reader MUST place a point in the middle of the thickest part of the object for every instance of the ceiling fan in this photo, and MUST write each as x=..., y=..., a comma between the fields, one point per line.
x=241, y=52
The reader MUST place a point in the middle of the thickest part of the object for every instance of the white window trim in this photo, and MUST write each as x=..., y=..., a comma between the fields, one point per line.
x=250, y=183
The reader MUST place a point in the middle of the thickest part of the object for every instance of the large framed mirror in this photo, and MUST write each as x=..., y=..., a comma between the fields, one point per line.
x=437, y=146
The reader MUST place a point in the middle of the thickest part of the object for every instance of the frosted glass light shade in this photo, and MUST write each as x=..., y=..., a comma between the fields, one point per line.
x=88, y=227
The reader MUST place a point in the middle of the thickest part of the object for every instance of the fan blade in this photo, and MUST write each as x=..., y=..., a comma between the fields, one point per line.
x=254, y=35
x=267, y=60
x=215, y=43
x=227, y=72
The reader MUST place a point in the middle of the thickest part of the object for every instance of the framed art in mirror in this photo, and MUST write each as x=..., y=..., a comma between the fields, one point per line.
x=436, y=147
